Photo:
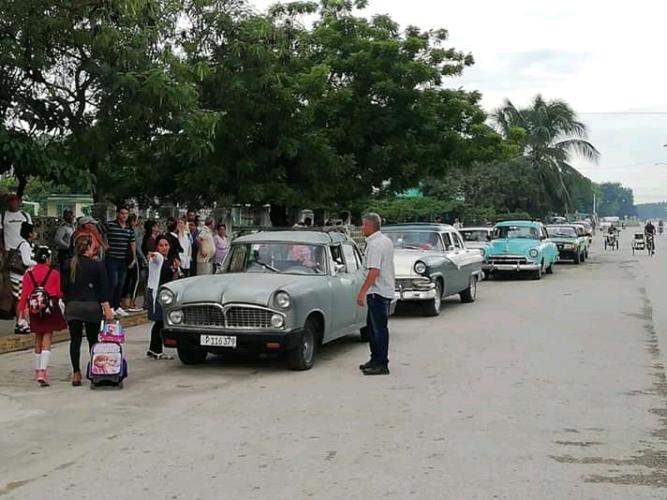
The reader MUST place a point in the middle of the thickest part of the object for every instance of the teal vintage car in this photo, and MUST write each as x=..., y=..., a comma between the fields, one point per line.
x=572, y=244
x=521, y=246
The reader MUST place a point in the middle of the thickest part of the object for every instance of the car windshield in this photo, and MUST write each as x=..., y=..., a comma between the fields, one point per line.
x=283, y=258
x=523, y=232
x=562, y=231
x=474, y=235
x=418, y=240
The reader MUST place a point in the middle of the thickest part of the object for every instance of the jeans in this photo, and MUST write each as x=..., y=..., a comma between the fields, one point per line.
x=156, y=337
x=117, y=272
x=377, y=322
x=76, y=334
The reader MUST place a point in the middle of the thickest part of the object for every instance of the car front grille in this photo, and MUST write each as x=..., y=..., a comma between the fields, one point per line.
x=203, y=315
x=509, y=259
x=232, y=317
x=248, y=317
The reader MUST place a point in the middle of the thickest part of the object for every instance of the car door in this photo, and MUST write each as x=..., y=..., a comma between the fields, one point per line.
x=355, y=268
x=549, y=248
x=453, y=262
x=344, y=309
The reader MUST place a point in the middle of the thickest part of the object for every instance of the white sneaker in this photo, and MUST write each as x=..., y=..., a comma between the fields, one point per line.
x=121, y=312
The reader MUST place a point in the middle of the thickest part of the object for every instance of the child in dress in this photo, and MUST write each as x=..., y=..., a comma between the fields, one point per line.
x=42, y=275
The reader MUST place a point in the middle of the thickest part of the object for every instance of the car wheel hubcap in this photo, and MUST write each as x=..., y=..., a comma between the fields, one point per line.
x=438, y=298
x=308, y=347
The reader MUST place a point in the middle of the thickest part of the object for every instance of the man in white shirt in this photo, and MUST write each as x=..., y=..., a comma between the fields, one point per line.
x=378, y=292
x=10, y=223
x=63, y=238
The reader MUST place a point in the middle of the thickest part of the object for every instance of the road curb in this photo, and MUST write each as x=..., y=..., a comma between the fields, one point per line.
x=13, y=343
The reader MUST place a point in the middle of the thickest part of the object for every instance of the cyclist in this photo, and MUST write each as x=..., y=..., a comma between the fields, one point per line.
x=649, y=232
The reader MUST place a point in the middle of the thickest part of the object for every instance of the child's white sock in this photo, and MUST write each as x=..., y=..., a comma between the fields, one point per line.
x=38, y=360
x=44, y=361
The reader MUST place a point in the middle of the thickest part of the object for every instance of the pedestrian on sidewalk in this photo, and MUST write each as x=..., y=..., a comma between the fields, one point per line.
x=206, y=246
x=19, y=263
x=120, y=257
x=174, y=242
x=185, y=240
x=63, y=238
x=377, y=292
x=221, y=246
x=40, y=303
x=162, y=268
x=86, y=292
x=11, y=221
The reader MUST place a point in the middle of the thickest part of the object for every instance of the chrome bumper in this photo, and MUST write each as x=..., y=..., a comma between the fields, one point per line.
x=511, y=267
x=404, y=295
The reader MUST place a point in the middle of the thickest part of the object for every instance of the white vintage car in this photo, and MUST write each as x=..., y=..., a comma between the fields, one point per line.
x=431, y=263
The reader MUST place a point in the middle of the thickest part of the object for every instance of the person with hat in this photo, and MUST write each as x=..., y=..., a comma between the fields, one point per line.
x=87, y=226
x=10, y=223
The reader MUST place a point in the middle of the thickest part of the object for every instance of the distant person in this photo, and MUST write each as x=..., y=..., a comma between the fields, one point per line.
x=87, y=226
x=162, y=268
x=308, y=222
x=133, y=278
x=221, y=245
x=194, y=236
x=172, y=236
x=438, y=220
x=457, y=224
x=649, y=229
x=39, y=302
x=377, y=292
x=206, y=248
x=120, y=257
x=10, y=223
x=86, y=294
x=185, y=240
x=21, y=260
x=151, y=232
x=63, y=238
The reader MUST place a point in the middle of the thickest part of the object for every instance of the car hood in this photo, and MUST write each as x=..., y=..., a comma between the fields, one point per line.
x=477, y=244
x=512, y=246
x=246, y=288
x=404, y=261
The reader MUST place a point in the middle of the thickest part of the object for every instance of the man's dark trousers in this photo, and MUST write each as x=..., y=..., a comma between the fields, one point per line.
x=377, y=322
x=117, y=271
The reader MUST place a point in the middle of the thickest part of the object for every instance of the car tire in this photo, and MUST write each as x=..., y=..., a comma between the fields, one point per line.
x=577, y=258
x=432, y=307
x=192, y=356
x=537, y=275
x=303, y=357
x=550, y=269
x=469, y=295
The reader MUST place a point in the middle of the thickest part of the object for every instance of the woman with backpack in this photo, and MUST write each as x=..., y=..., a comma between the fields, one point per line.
x=39, y=301
x=86, y=291
x=20, y=261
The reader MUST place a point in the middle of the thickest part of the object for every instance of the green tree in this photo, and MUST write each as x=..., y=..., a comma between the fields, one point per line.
x=89, y=88
x=615, y=200
x=552, y=135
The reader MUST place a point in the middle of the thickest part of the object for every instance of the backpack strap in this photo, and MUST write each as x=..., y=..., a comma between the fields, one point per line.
x=32, y=278
x=46, y=278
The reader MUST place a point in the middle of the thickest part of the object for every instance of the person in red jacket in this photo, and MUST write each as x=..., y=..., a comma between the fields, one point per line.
x=51, y=318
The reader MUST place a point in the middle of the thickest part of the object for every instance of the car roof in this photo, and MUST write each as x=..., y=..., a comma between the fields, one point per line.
x=307, y=237
x=480, y=228
x=417, y=226
x=521, y=223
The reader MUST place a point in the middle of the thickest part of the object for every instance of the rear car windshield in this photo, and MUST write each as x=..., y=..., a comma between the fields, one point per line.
x=563, y=231
x=474, y=235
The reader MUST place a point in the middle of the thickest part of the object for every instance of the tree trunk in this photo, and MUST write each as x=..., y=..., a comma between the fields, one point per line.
x=23, y=182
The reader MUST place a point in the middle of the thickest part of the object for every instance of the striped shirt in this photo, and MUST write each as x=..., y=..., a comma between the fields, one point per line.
x=119, y=239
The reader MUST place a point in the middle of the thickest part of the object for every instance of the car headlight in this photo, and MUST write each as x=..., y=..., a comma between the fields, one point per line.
x=283, y=300
x=166, y=297
x=420, y=267
x=277, y=321
x=534, y=253
x=176, y=317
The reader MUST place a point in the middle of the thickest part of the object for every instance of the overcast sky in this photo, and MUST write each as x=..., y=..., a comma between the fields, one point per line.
x=607, y=59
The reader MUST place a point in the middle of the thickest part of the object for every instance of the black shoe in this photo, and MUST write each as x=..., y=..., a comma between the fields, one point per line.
x=366, y=366
x=376, y=370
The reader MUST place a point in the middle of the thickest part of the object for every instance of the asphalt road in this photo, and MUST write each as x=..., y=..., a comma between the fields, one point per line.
x=540, y=390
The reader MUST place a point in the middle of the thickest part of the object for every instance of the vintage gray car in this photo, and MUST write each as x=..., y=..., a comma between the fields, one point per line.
x=278, y=291
x=431, y=263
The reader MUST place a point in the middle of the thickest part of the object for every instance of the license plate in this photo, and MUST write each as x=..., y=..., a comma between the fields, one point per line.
x=217, y=341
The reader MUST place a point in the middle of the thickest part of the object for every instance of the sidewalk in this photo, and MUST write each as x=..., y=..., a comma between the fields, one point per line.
x=9, y=342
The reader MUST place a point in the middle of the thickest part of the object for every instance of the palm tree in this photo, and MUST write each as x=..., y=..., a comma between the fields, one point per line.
x=551, y=135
